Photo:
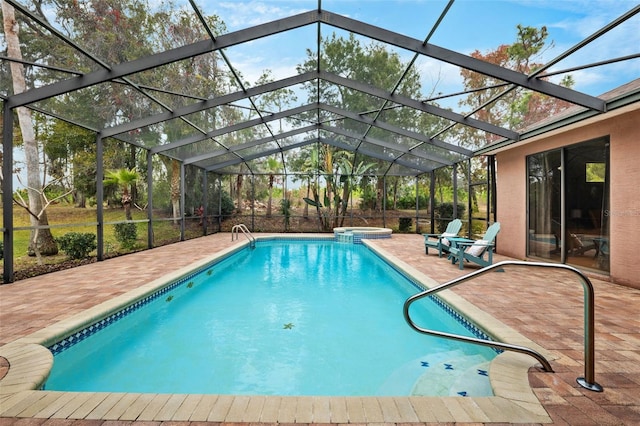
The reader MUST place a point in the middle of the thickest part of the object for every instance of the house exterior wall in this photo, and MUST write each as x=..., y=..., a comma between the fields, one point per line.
x=623, y=130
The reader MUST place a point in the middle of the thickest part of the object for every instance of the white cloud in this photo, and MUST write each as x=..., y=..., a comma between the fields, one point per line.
x=618, y=42
x=439, y=76
x=243, y=14
x=252, y=66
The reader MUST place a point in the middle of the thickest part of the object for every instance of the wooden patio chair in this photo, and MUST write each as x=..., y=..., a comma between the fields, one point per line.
x=462, y=249
x=440, y=241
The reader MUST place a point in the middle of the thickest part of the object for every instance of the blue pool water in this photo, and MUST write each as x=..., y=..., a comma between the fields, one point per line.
x=285, y=318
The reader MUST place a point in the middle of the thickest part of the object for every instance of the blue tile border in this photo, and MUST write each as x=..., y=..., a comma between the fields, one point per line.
x=469, y=325
x=79, y=336
x=88, y=331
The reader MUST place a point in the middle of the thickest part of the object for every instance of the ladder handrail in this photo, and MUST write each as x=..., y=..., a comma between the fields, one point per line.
x=242, y=227
x=588, y=381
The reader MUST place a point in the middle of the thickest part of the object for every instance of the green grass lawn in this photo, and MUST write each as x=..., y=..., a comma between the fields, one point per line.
x=83, y=220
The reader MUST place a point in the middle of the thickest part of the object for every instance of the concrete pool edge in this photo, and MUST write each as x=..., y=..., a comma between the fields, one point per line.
x=30, y=363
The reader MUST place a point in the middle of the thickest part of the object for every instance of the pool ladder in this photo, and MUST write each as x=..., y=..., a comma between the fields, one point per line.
x=587, y=382
x=242, y=227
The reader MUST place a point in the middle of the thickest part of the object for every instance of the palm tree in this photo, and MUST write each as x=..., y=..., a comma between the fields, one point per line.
x=123, y=178
x=350, y=175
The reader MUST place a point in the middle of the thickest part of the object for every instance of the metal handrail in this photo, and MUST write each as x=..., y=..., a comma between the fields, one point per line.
x=587, y=382
x=242, y=227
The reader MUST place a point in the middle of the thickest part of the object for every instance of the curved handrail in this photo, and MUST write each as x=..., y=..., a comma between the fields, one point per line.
x=588, y=381
x=242, y=227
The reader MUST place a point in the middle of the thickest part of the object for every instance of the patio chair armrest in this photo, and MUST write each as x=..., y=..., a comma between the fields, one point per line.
x=460, y=240
x=474, y=243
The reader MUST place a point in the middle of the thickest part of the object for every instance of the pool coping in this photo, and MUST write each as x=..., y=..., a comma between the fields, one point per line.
x=30, y=362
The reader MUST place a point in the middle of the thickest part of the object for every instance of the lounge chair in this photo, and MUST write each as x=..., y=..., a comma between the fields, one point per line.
x=576, y=246
x=440, y=241
x=462, y=249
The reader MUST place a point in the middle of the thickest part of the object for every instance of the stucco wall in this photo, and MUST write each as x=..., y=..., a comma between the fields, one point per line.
x=624, y=133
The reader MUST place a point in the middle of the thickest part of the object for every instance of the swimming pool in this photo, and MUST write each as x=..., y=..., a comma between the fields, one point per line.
x=351, y=341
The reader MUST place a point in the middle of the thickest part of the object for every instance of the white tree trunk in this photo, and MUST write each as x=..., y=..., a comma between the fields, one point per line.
x=32, y=158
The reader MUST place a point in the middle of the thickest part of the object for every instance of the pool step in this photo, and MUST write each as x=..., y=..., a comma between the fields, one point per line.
x=441, y=374
x=462, y=376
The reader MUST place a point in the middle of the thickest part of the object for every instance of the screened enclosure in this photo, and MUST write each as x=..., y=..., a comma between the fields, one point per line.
x=144, y=123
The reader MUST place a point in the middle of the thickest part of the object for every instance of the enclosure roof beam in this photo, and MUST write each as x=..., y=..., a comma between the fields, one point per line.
x=309, y=107
x=250, y=144
x=305, y=77
x=375, y=155
x=384, y=144
x=258, y=155
x=412, y=103
x=465, y=61
x=297, y=21
x=164, y=58
x=327, y=141
x=209, y=103
x=394, y=129
x=239, y=126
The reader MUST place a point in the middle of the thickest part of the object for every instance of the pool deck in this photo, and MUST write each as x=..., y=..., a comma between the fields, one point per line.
x=526, y=304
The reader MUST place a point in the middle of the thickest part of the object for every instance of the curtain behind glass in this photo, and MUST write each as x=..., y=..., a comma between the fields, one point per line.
x=544, y=205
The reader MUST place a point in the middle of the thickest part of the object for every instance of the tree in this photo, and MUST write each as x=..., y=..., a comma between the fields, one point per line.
x=70, y=151
x=42, y=241
x=350, y=175
x=273, y=167
x=306, y=162
x=123, y=178
x=373, y=63
x=238, y=189
x=340, y=175
x=276, y=100
x=37, y=215
x=519, y=107
x=117, y=31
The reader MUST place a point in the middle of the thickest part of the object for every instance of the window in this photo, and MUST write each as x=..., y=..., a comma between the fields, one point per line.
x=595, y=172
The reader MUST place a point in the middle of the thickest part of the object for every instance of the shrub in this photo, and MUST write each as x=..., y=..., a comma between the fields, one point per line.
x=404, y=224
x=227, y=204
x=77, y=245
x=408, y=201
x=1, y=250
x=445, y=211
x=126, y=234
x=367, y=198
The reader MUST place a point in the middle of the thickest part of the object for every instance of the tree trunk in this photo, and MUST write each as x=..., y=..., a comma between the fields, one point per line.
x=126, y=203
x=41, y=242
x=132, y=165
x=305, y=214
x=239, y=194
x=395, y=193
x=379, y=194
x=81, y=200
x=175, y=190
x=344, y=203
x=270, y=196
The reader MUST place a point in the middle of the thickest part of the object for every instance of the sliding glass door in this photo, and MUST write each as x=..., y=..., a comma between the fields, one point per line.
x=568, y=205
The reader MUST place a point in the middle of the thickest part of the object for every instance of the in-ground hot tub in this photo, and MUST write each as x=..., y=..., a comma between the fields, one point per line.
x=356, y=234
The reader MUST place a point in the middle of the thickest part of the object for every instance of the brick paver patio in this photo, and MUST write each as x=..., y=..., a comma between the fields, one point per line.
x=545, y=307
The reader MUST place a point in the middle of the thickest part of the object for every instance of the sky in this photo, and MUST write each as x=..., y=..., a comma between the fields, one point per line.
x=468, y=25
